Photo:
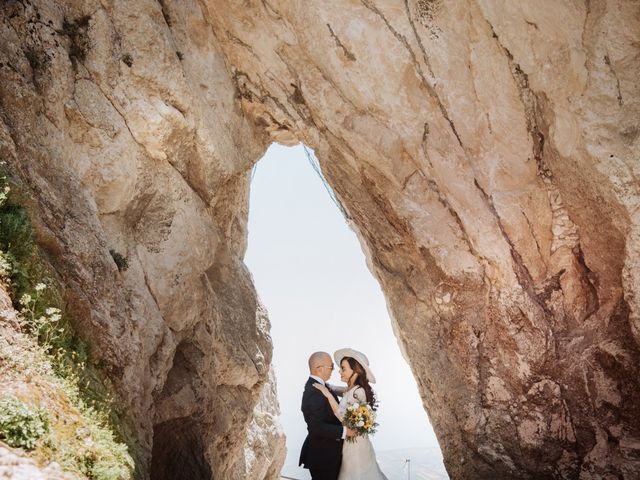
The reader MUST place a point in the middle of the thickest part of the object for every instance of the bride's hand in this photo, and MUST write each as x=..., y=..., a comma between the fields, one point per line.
x=323, y=389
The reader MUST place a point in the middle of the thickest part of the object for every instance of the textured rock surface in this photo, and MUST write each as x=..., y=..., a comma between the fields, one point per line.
x=13, y=466
x=126, y=146
x=264, y=449
x=486, y=153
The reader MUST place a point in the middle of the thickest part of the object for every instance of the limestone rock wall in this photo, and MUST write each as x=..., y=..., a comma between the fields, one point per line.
x=122, y=122
x=486, y=153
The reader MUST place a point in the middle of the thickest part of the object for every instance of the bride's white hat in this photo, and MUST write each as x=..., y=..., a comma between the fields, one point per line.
x=359, y=356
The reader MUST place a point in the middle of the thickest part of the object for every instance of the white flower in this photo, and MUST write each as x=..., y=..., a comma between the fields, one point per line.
x=25, y=299
x=360, y=424
x=52, y=310
x=40, y=286
x=55, y=317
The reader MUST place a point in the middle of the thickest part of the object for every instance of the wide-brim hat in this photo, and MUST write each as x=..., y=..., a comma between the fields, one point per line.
x=359, y=356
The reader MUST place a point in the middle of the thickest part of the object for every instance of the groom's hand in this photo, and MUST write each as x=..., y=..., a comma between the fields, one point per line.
x=351, y=432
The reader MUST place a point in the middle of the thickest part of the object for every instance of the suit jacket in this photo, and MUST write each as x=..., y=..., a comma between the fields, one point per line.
x=323, y=446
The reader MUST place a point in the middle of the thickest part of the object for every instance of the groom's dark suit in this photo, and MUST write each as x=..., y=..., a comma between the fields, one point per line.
x=322, y=449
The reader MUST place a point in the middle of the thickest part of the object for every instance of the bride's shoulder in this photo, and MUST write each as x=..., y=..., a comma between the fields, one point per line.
x=359, y=393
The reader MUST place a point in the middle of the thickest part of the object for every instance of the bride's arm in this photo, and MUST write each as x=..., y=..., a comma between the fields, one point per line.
x=336, y=389
x=332, y=401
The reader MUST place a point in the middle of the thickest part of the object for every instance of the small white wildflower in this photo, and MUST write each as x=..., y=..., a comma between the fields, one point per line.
x=25, y=299
x=52, y=310
x=40, y=286
x=7, y=189
x=55, y=317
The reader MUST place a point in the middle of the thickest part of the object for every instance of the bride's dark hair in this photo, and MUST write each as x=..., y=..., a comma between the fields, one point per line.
x=362, y=381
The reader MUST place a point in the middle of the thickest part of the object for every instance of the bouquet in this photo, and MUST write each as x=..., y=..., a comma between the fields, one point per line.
x=361, y=417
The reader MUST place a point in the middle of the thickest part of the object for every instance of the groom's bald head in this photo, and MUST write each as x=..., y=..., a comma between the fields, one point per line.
x=320, y=364
x=318, y=359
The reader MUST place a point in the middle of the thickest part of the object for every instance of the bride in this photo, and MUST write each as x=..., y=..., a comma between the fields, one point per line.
x=358, y=458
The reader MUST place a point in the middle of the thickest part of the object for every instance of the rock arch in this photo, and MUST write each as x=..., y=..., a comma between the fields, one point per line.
x=485, y=152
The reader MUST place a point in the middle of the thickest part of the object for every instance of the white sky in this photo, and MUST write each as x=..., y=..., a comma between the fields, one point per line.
x=311, y=275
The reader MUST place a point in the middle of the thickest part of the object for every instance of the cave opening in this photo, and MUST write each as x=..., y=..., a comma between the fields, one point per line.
x=178, y=451
x=310, y=272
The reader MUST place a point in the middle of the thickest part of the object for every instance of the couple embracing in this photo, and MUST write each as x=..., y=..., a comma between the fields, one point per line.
x=333, y=450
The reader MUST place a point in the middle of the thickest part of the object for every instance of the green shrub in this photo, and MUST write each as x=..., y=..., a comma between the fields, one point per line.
x=37, y=296
x=127, y=59
x=103, y=458
x=16, y=239
x=121, y=261
x=21, y=426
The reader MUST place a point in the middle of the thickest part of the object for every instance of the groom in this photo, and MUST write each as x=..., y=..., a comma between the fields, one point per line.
x=322, y=449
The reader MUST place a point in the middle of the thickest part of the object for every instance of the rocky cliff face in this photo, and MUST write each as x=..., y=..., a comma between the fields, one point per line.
x=128, y=134
x=485, y=152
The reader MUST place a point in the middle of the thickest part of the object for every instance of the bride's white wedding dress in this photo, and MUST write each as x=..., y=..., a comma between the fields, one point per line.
x=358, y=458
